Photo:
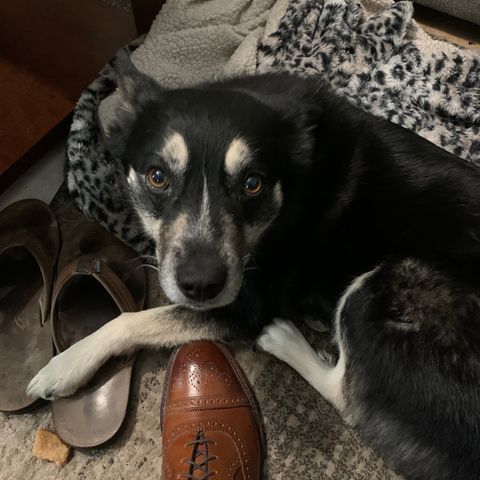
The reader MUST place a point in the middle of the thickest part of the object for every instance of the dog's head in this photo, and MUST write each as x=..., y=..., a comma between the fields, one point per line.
x=204, y=172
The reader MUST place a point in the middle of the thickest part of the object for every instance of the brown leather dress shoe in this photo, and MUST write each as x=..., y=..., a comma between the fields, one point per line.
x=210, y=419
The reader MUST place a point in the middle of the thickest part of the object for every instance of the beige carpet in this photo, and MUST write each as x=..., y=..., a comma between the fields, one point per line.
x=306, y=438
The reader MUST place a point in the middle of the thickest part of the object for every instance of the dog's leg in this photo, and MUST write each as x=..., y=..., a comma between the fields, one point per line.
x=283, y=340
x=158, y=327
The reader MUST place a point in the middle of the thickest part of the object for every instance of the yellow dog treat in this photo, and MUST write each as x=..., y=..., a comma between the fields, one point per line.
x=49, y=447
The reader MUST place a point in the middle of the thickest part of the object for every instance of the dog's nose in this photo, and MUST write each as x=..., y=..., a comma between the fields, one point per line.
x=201, y=274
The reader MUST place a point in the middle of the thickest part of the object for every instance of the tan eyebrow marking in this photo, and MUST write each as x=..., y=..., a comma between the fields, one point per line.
x=238, y=155
x=175, y=152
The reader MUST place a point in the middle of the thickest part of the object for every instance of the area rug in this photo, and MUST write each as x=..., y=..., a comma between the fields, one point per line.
x=359, y=53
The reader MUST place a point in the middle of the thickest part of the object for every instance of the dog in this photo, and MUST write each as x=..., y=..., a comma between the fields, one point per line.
x=271, y=198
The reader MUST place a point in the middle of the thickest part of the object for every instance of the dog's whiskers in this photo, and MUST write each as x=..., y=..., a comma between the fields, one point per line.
x=246, y=258
x=143, y=257
x=149, y=266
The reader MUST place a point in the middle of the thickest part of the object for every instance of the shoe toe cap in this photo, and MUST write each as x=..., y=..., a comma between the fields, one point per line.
x=201, y=370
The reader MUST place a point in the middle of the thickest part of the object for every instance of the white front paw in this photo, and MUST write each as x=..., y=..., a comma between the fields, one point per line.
x=64, y=374
x=281, y=339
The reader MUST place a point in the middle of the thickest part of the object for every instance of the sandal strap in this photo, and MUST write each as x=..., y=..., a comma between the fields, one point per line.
x=106, y=276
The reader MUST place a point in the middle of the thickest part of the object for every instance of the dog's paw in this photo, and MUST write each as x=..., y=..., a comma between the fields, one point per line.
x=62, y=376
x=52, y=381
x=281, y=338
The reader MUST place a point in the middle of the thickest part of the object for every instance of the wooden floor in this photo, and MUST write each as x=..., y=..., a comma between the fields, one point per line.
x=50, y=51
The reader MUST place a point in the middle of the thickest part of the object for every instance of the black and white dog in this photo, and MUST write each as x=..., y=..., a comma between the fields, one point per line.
x=269, y=197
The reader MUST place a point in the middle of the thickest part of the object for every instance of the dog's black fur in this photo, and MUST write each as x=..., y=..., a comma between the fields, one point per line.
x=358, y=193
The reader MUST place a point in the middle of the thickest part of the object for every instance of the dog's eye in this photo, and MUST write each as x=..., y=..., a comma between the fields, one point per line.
x=157, y=179
x=252, y=186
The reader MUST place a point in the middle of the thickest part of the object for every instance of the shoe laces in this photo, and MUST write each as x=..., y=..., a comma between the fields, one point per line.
x=199, y=460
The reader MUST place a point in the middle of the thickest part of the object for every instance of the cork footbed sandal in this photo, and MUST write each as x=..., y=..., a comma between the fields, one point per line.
x=29, y=245
x=99, y=277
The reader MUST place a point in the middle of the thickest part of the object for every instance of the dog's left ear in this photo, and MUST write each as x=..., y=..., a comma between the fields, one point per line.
x=135, y=90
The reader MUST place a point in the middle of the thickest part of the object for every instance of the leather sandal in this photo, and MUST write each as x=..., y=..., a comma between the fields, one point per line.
x=29, y=245
x=99, y=277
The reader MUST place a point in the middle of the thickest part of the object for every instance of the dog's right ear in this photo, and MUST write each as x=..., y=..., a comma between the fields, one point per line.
x=127, y=74
x=135, y=91
x=133, y=85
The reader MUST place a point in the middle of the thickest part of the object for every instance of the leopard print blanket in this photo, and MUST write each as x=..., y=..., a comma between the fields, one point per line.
x=383, y=63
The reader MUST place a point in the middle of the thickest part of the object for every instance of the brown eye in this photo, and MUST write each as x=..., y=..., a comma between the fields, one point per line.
x=252, y=186
x=157, y=179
